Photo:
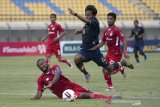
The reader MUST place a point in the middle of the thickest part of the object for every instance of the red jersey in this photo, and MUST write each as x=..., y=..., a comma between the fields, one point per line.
x=112, y=37
x=61, y=85
x=53, y=32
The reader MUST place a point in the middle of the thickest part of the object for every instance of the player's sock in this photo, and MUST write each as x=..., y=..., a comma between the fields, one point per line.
x=137, y=58
x=80, y=66
x=145, y=57
x=48, y=60
x=108, y=79
x=100, y=96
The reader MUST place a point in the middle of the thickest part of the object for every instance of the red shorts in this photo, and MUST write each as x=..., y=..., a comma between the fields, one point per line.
x=114, y=57
x=79, y=89
x=53, y=50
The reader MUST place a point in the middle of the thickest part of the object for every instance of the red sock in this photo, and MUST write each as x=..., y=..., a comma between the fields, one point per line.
x=99, y=96
x=108, y=79
x=63, y=60
x=48, y=60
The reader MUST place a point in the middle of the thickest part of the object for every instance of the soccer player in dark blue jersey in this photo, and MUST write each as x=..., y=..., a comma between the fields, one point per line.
x=89, y=50
x=138, y=32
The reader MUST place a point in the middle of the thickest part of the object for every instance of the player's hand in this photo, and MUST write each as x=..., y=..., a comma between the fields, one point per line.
x=43, y=39
x=56, y=39
x=126, y=56
x=71, y=11
x=78, y=32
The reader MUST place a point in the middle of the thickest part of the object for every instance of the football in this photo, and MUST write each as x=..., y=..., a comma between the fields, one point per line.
x=69, y=95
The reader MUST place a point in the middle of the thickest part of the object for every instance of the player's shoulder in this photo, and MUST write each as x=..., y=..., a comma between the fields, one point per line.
x=40, y=78
x=57, y=24
x=54, y=67
x=116, y=28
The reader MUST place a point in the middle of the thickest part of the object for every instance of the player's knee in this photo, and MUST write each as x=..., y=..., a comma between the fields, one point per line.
x=77, y=58
x=85, y=95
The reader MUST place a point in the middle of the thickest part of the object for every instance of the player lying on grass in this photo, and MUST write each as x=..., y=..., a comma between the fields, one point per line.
x=89, y=49
x=53, y=79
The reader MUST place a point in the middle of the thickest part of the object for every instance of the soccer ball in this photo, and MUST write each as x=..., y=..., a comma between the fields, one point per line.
x=69, y=95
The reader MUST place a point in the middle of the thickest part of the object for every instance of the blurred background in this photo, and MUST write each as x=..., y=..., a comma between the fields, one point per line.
x=27, y=20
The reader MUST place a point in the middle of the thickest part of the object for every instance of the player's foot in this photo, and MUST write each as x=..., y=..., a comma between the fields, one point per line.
x=138, y=63
x=69, y=64
x=128, y=64
x=110, y=89
x=145, y=57
x=87, y=76
x=117, y=97
x=123, y=71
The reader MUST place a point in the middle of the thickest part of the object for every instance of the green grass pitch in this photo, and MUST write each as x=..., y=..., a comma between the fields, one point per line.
x=141, y=87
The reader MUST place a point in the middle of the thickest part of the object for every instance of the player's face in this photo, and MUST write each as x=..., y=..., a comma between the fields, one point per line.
x=42, y=65
x=135, y=23
x=88, y=15
x=52, y=18
x=110, y=20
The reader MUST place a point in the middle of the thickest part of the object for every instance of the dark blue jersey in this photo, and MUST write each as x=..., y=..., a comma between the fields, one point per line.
x=136, y=32
x=90, y=34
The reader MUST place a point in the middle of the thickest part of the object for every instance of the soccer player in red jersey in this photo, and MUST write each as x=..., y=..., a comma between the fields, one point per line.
x=55, y=32
x=53, y=79
x=112, y=37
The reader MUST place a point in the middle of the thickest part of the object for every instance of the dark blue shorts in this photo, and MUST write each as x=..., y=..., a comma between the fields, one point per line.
x=94, y=55
x=138, y=46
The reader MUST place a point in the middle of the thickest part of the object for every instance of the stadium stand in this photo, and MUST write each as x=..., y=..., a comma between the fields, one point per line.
x=153, y=5
x=38, y=10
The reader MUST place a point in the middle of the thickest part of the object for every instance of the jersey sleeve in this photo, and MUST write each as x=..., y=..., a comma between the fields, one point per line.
x=60, y=28
x=120, y=34
x=40, y=85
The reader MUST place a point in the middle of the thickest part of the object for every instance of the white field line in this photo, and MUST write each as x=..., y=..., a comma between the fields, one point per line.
x=23, y=94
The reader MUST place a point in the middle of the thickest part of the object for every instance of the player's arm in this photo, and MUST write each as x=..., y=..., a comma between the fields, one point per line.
x=132, y=34
x=122, y=38
x=37, y=96
x=59, y=37
x=78, y=31
x=57, y=75
x=125, y=48
x=142, y=33
x=83, y=19
x=44, y=38
x=101, y=44
x=102, y=41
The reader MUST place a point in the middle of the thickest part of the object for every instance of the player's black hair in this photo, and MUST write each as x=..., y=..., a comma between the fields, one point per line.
x=136, y=21
x=112, y=14
x=53, y=15
x=39, y=60
x=91, y=8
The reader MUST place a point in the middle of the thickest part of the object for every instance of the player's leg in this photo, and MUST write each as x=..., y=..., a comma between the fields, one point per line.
x=48, y=55
x=135, y=50
x=57, y=53
x=108, y=79
x=83, y=93
x=98, y=58
x=79, y=59
x=86, y=95
x=141, y=52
